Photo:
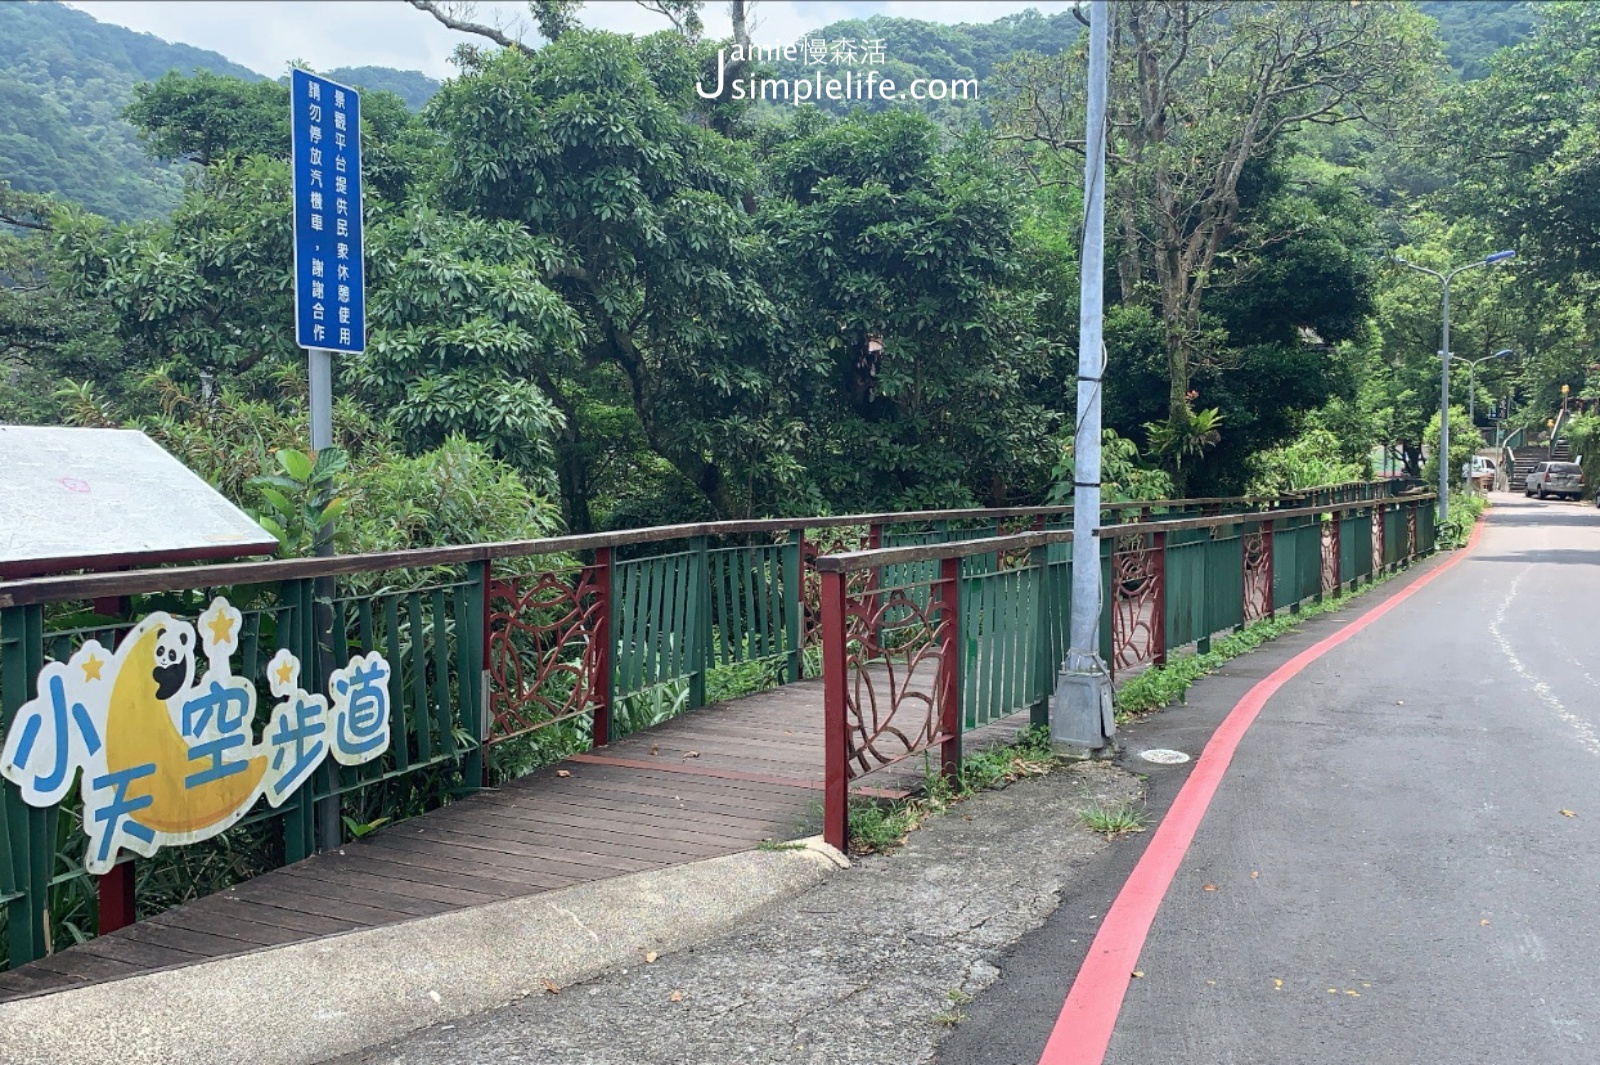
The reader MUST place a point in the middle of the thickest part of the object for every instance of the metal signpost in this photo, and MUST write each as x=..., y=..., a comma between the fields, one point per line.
x=330, y=305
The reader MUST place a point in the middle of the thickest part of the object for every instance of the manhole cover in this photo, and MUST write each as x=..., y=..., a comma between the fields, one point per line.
x=1163, y=756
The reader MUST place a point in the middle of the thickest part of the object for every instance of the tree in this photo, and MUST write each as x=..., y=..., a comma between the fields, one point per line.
x=1523, y=144
x=591, y=145
x=1202, y=91
x=900, y=264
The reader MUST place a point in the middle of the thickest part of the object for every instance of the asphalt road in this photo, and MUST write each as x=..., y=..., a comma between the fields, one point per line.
x=1402, y=863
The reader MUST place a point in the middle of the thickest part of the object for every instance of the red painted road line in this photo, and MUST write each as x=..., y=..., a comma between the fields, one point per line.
x=1082, y=1033
x=729, y=774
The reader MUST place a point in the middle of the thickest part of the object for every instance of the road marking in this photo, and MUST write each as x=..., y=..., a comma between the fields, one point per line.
x=1587, y=737
x=1083, y=1029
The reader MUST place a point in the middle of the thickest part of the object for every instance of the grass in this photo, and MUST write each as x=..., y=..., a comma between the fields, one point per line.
x=1113, y=821
x=878, y=826
x=952, y=1015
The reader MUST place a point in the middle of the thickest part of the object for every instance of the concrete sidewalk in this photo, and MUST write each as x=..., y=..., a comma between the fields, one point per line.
x=305, y=1002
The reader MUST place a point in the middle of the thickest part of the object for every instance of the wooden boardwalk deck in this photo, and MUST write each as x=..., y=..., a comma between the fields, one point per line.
x=715, y=781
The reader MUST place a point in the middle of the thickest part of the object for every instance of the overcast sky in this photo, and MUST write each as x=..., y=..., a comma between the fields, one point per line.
x=265, y=35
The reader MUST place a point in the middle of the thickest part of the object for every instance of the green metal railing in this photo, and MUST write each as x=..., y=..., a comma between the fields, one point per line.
x=978, y=643
x=490, y=643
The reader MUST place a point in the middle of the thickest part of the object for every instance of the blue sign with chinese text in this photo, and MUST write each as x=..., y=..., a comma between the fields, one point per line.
x=329, y=282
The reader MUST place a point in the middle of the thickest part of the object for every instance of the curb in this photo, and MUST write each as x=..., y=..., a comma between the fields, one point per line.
x=307, y=1002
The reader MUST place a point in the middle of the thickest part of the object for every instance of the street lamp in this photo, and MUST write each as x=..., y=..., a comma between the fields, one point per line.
x=1444, y=366
x=1472, y=380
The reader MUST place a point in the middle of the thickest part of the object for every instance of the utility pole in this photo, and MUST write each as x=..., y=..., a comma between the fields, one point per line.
x=1444, y=365
x=1081, y=716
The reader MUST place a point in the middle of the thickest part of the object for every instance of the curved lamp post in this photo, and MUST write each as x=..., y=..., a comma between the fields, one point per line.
x=1444, y=366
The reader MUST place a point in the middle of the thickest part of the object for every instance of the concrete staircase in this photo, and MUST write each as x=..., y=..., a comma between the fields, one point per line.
x=1521, y=462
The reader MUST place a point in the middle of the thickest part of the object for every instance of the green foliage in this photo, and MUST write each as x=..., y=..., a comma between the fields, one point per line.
x=881, y=826
x=1465, y=509
x=1113, y=821
x=302, y=500
x=1187, y=434
x=1313, y=458
x=1465, y=441
x=1582, y=431
x=1122, y=477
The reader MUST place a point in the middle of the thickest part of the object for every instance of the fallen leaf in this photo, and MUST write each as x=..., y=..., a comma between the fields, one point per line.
x=1138, y=973
x=788, y=732
x=563, y=772
x=676, y=996
x=655, y=749
x=1352, y=994
x=1568, y=813
x=1399, y=702
x=550, y=986
x=1484, y=921
x=1209, y=887
x=691, y=754
x=1277, y=985
x=1333, y=990
x=1213, y=983
x=1255, y=874
x=650, y=956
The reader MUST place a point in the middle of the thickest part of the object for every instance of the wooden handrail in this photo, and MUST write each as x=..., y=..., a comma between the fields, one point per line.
x=852, y=561
x=35, y=590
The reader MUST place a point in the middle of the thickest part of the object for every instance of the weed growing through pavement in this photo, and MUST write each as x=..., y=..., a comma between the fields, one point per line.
x=879, y=826
x=1113, y=821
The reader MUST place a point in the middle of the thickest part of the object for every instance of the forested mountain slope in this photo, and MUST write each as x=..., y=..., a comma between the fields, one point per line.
x=65, y=78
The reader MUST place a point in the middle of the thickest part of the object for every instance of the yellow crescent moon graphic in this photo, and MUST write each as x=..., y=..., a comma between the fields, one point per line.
x=139, y=731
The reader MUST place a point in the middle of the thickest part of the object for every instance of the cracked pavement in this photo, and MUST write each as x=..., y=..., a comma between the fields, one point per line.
x=872, y=965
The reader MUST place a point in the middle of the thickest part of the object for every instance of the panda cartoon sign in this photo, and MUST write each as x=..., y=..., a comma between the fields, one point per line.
x=161, y=734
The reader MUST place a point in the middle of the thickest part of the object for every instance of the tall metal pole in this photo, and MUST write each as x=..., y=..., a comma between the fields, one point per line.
x=319, y=365
x=1444, y=409
x=1081, y=714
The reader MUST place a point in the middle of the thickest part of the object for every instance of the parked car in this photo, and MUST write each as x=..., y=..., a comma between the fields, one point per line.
x=1479, y=472
x=1555, y=479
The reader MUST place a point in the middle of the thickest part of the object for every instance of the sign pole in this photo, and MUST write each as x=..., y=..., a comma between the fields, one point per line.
x=330, y=311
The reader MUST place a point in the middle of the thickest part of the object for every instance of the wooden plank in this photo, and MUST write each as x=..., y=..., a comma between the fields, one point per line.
x=80, y=965
x=293, y=885
x=27, y=981
x=576, y=852
x=205, y=944
x=565, y=836
x=653, y=820
x=232, y=908
x=359, y=875
x=419, y=869
x=227, y=926
x=535, y=871
x=143, y=955
x=267, y=891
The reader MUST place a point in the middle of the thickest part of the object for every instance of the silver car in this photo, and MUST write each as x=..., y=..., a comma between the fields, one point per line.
x=1564, y=479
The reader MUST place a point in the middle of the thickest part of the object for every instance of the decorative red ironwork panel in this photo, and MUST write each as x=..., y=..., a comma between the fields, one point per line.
x=1330, y=556
x=831, y=542
x=1136, y=602
x=897, y=692
x=1257, y=575
x=547, y=642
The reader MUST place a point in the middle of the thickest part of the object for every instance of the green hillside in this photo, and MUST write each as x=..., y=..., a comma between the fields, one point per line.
x=64, y=80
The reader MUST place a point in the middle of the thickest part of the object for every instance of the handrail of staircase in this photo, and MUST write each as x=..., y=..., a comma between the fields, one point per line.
x=1555, y=433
